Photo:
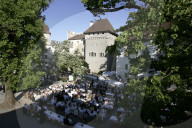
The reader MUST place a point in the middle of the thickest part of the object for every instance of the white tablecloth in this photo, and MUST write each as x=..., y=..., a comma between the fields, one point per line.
x=37, y=97
x=110, y=94
x=72, y=92
x=60, y=104
x=54, y=116
x=82, y=90
x=121, y=110
x=114, y=119
x=79, y=125
x=108, y=106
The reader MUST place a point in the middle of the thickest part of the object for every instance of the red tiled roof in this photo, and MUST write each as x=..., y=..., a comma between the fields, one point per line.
x=77, y=37
x=46, y=29
x=102, y=25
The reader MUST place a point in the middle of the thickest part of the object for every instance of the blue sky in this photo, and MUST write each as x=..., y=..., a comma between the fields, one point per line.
x=64, y=15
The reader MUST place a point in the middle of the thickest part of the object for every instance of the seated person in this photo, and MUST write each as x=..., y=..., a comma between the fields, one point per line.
x=86, y=115
x=76, y=111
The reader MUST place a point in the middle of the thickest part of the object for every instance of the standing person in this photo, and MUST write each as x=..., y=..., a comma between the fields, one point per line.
x=86, y=115
x=3, y=89
x=42, y=115
x=66, y=120
x=91, y=85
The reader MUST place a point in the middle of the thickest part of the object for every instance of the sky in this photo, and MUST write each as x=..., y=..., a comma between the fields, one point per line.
x=64, y=15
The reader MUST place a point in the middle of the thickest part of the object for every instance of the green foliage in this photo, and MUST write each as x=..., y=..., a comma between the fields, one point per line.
x=32, y=69
x=100, y=72
x=21, y=26
x=168, y=25
x=64, y=79
x=98, y=7
x=65, y=60
x=77, y=52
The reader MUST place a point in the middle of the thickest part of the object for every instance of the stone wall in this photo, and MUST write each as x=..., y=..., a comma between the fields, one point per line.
x=95, y=46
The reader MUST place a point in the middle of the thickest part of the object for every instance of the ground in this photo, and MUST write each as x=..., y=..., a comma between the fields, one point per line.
x=15, y=117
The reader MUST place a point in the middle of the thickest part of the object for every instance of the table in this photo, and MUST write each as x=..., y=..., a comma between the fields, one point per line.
x=54, y=116
x=72, y=93
x=108, y=106
x=114, y=119
x=37, y=97
x=60, y=104
x=82, y=89
x=81, y=125
x=121, y=110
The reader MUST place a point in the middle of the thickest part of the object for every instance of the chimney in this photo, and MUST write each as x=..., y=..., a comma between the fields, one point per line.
x=91, y=23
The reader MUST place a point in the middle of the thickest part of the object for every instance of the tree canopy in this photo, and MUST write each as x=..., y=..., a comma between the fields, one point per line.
x=167, y=25
x=21, y=32
x=65, y=60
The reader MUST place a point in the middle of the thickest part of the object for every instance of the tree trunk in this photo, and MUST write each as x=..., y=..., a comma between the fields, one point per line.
x=9, y=96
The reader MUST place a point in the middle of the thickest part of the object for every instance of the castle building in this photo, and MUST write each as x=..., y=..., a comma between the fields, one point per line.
x=93, y=43
x=123, y=65
x=77, y=42
x=49, y=65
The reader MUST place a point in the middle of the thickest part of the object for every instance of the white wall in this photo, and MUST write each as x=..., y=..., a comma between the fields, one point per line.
x=97, y=43
x=71, y=34
x=122, y=60
x=47, y=37
x=76, y=44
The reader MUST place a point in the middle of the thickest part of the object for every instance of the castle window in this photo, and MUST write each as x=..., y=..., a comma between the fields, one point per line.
x=126, y=66
x=101, y=54
x=45, y=56
x=92, y=54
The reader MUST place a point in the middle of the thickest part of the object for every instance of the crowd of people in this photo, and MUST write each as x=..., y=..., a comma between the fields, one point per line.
x=73, y=102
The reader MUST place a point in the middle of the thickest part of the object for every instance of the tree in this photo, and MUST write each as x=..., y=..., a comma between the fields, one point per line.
x=167, y=25
x=101, y=6
x=64, y=60
x=21, y=28
x=32, y=69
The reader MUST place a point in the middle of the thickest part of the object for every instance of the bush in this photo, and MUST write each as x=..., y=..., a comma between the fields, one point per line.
x=100, y=72
x=64, y=79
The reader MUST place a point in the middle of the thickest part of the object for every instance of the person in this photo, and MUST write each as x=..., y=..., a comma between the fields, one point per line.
x=3, y=89
x=25, y=109
x=85, y=115
x=76, y=111
x=31, y=110
x=66, y=120
x=41, y=115
x=91, y=85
